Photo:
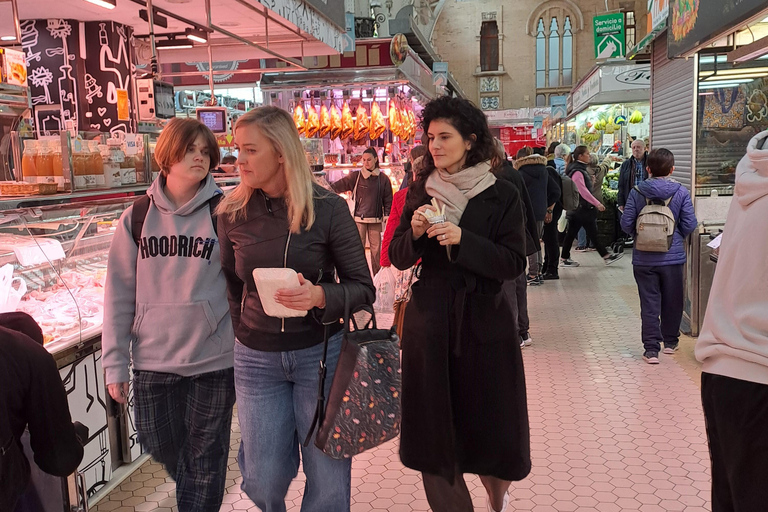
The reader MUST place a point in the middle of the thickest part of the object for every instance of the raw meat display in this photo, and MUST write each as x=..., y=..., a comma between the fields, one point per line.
x=347, y=124
x=378, y=123
x=298, y=118
x=325, y=122
x=362, y=124
x=313, y=121
x=335, y=122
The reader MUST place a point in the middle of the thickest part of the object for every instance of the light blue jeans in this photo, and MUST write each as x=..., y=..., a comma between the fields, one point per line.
x=582, y=239
x=276, y=399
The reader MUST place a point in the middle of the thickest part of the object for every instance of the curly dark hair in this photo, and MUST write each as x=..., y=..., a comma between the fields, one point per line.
x=471, y=124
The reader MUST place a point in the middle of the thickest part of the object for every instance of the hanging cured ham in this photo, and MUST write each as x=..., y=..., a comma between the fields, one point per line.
x=335, y=122
x=313, y=121
x=362, y=124
x=298, y=118
x=378, y=123
x=394, y=120
x=325, y=122
x=347, y=124
x=414, y=123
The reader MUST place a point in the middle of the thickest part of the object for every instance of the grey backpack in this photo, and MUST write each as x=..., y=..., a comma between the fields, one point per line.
x=655, y=225
x=570, y=194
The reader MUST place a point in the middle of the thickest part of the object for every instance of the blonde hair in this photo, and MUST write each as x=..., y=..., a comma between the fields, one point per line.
x=177, y=136
x=278, y=127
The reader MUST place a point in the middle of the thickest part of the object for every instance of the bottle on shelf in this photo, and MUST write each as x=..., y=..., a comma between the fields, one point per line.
x=95, y=165
x=28, y=164
x=57, y=163
x=44, y=162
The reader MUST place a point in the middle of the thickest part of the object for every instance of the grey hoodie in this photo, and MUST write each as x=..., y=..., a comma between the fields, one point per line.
x=165, y=302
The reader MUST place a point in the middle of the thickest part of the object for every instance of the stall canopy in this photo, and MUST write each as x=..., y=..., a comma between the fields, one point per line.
x=612, y=83
x=370, y=65
x=238, y=30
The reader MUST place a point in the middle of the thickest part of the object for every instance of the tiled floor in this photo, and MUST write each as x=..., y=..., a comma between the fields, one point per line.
x=608, y=432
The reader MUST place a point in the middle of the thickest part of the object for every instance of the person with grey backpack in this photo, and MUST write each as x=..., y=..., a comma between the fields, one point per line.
x=659, y=215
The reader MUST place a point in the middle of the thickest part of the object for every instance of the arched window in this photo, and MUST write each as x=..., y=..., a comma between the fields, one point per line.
x=554, y=31
x=554, y=54
x=489, y=46
x=541, y=100
x=541, y=56
x=567, y=52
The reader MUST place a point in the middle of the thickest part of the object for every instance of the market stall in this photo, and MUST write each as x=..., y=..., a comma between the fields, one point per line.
x=610, y=108
x=345, y=105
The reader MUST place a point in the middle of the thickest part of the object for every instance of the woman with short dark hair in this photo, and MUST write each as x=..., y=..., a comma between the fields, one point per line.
x=464, y=405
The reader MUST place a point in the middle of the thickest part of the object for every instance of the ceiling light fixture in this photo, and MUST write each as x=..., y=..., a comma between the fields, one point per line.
x=8, y=38
x=107, y=4
x=175, y=44
x=157, y=19
x=197, y=36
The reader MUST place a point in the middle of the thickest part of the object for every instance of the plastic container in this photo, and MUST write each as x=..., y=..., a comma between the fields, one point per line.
x=28, y=164
x=112, y=156
x=94, y=166
x=128, y=165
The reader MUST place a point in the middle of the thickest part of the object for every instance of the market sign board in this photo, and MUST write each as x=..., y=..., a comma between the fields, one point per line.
x=611, y=78
x=657, y=14
x=695, y=23
x=586, y=90
x=609, y=35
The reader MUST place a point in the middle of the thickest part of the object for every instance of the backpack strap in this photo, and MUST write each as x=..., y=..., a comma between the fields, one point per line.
x=138, y=214
x=141, y=207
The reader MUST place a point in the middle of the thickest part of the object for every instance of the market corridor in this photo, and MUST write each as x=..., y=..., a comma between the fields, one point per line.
x=608, y=432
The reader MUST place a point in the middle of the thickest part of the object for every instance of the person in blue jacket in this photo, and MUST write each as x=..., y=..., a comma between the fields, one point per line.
x=659, y=275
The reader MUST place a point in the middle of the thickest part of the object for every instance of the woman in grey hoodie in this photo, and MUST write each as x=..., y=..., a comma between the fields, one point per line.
x=166, y=312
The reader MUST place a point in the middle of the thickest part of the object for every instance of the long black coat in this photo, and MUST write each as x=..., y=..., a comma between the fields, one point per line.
x=464, y=402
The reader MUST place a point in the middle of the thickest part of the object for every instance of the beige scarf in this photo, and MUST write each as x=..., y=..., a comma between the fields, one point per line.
x=367, y=174
x=455, y=190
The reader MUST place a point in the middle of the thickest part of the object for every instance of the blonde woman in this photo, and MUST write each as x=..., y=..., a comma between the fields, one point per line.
x=279, y=217
x=165, y=311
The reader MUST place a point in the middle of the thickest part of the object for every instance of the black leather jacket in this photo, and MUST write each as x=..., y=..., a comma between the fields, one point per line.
x=262, y=240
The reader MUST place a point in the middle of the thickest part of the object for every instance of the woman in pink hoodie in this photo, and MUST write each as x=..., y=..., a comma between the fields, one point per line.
x=733, y=344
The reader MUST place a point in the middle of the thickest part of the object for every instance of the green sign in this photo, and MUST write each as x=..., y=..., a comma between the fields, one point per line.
x=609, y=35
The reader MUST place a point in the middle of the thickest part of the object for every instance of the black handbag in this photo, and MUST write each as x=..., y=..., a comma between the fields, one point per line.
x=363, y=408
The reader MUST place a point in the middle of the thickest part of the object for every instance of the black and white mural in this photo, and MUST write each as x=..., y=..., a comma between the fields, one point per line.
x=84, y=69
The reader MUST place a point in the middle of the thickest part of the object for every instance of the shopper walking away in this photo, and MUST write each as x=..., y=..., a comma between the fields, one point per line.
x=550, y=233
x=561, y=152
x=32, y=398
x=632, y=172
x=165, y=311
x=278, y=217
x=457, y=419
x=372, y=197
x=533, y=169
x=733, y=344
x=516, y=290
x=586, y=213
x=659, y=275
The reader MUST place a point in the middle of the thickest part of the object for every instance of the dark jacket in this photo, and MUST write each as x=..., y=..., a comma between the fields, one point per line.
x=463, y=398
x=682, y=208
x=555, y=184
x=32, y=397
x=627, y=178
x=512, y=175
x=577, y=166
x=261, y=240
x=534, y=172
x=372, y=196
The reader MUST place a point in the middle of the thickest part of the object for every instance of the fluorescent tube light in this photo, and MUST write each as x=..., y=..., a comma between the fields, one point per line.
x=107, y=4
x=197, y=36
x=8, y=38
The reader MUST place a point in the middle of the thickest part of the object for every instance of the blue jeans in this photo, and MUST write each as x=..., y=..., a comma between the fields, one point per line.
x=582, y=238
x=276, y=399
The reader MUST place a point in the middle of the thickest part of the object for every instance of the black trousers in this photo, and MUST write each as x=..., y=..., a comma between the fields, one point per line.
x=551, y=247
x=661, y=304
x=516, y=291
x=736, y=413
x=582, y=218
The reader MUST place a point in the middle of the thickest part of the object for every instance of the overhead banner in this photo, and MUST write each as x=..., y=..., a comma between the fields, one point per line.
x=657, y=14
x=609, y=35
x=697, y=23
x=333, y=10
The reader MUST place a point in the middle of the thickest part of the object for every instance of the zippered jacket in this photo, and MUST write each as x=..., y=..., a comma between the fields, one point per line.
x=262, y=240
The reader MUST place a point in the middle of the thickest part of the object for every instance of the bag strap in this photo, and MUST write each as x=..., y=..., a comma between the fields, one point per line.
x=319, y=416
x=141, y=207
x=138, y=214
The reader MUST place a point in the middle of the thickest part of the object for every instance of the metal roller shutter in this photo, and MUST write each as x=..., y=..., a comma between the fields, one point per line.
x=673, y=107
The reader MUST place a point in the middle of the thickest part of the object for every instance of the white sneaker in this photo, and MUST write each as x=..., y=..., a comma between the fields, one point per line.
x=503, y=508
x=522, y=344
x=526, y=341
